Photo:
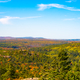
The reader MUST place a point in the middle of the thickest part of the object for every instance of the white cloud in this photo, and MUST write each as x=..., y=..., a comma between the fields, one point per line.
x=48, y=6
x=3, y=1
x=32, y=17
x=45, y=6
x=6, y=19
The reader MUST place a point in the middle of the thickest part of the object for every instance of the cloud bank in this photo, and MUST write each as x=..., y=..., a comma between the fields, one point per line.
x=6, y=19
x=48, y=6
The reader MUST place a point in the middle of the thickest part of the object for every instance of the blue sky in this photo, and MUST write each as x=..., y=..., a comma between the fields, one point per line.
x=53, y=19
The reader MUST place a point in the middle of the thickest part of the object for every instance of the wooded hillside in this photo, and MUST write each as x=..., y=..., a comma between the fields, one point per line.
x=52, y=62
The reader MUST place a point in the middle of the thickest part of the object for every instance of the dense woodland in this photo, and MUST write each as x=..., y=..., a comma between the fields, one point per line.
x=44, y=59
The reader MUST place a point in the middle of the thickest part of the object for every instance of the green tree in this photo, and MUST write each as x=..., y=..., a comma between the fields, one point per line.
x=10, y=73
x=61, y=67
x=64, y=64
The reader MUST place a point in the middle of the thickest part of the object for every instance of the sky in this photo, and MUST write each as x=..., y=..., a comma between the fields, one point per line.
x=52, y=19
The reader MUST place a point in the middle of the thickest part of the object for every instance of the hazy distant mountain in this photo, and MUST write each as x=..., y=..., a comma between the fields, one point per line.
x=71, y=39
x=3, y=38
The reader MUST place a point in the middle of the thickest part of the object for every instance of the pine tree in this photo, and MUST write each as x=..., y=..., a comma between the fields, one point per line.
x=64, y=64
x=60, y=67
x=10, y=73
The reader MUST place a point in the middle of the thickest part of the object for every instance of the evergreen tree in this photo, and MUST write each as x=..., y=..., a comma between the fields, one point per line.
x=61, y=66
x=10, y=73
x=64, y=64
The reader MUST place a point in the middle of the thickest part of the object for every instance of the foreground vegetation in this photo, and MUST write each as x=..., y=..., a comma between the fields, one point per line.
x=52, y=62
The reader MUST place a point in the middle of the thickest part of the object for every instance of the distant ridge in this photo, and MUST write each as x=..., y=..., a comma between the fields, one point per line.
x=30, y=37
x=5, y=38
x=71, y=39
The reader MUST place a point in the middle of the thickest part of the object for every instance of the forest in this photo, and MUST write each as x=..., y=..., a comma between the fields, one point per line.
x=44, y=59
